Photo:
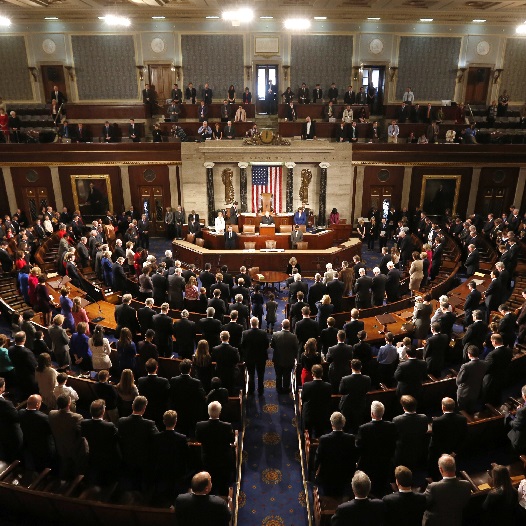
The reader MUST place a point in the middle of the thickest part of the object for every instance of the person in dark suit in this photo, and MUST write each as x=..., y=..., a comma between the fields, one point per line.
x=218, y=303
x=339, y=359
x=517, y=424
x=148, y=99
x=133, y=131
x=410, y=375
x=435, y=350
x=507, y=326
x=234, y=328
x=353, y=327
x=190, y=93
x=361, y=510
x=297, y=286
x=25, y=365
x=185, y=331
x=199, y=507
x=328, y=336
x=126, y=316
x=223, y=288
x=160, y=285
x=39, y=444
x=10, y=431
x=226, y=357
x=362, y=290
x=316, y=400
x=493, y=294
x=412, y=430
x=145, y=315
x=472, y=303
x=308, y=129
x=342, y=132
x=240, y=307
x=210, y=328
x=187, y=398
x=378, y=287
x=216, y=439
x=392, y=286
x=404, y=507
x=57, y=95
x=336, y=458
x=230, y=238
x=170, y=460
x=156, y=390
x=285, y=345
x=448, y=435
x=82, y=134
x=108, y=133
x=162, y=324
x=498, y=362
x=405, y=246
x=475, y=334
x=376, y=442
x=136, y=439
x=120, y=281
x=104, y=458
x=472, y=261
x=446, y=499
x=306, y=328
x=335, y=289
x=354, y=389
x=254, y=350
x=469, y=380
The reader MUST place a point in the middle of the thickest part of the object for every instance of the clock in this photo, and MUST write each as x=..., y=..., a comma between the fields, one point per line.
x=49, y=46
x=376, y=46
x=483, y=48
x=157, y=45
x=267, y=136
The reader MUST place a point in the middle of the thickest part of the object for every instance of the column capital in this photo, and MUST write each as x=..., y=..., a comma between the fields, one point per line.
x=324, y=165
x=290, y=165
x=243, y=166
x=208, y=165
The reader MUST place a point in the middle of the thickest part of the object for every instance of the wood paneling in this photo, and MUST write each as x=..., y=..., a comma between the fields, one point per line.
x=374, y=189
x=4, y=204
x=104, y=112
x=496, y=190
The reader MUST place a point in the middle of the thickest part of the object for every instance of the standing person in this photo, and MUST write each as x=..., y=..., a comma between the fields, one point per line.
x=43, y=302
x=144, y=235
x=285, y=345
x=126, y=350
x=66, y=306
x=416, y=273
x=271, y=308
x=254, y=352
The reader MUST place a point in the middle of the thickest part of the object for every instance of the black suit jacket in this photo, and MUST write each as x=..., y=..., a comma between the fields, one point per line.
x=412, y=429
x=316, y=399
x=475, y=335
x=156, y=390
x=435, y=352
x=304, y=329
x=335, y=289
x=295, y=288
x=226, y=357
x=312, y=132
x=184, y=331
x=230, y=240
x=254, y=346
x=243, y=313
x=10, y=431
x=25, y=364
x=507, y=326
x=366, y=512
x=472, y=263
x=136, y=438
x=473, y=300
x=376, y=442
x=405, y=509
x=103, y=442
x=119, y=278
x=449, y=432
x=215, y=437
x=207, y=279
x=193, y=509
x=493, y=295
x=392, y=286
x=38, y=439
x=163, y=326
x=225, y=291
x=145, y=316
x=187, y=397
x=171, y=455
x=410, y=375
x=126, y=316
x=352, y=328
x=339, y=359
x=210, y=328
x=353, y=404
x=236, y=332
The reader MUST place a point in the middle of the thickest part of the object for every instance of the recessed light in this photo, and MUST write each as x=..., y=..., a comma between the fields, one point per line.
x=521, y=30
x=373, y=18
x=243, y=14
x=158, y=17
x=51, y=18
x=426, y=20
x=320, y=18
x=266, y=17
x=297, y=23
x=479, y=20
x=4, y=21
x=113, y=20
x=212, y=17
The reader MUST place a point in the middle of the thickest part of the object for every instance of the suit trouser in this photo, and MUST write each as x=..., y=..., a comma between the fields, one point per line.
x=282, y=377
x=252, y=368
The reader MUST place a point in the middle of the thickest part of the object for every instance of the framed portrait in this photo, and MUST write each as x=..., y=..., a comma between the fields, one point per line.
x=92, y=194
x=439, y=193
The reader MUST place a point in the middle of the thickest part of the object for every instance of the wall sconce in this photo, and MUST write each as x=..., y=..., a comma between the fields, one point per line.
x=392, y=72
x=140, y=69
x=33, y=72
x=71, y=72
x=496, y=75
x=177, y=70
x=460, y=74
x=248, y=71
x=172, y=66
x=286, y=72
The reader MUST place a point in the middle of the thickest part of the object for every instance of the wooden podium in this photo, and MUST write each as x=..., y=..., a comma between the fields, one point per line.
x=267, y=230
x=266, y=199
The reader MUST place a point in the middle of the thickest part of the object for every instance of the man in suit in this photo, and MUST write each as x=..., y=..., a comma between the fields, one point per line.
x=230, y=238
x=410, y=375
x=335, y=289
x=339, y=358
x=126, y=316
x=354, y=389
x=10, y=431
x=295, y=309
x=187, y=398
x=160, y=285
x=176, y=287
x=333, y=93
x=210, y=328
x=362, y=289
x=376, y=442
x=435, y=350
x=392, y=286
x=308, y=129
x=229, y=132
x=216, y=439
x=148, y=99
x=472, y=303
x=412, y=430
x=449, y=433
x=475, y=334
x=285, y=345
x=226, y=357
x=176, y=95
x=386, y=258
x=136, y=439
x=82, y=134
x=498, y=362
x=353, y=327
x=25, y=364
x=145, y=315
x=254, y=350
x=493, y=294
x=133, y=131
x=218, y=304
x=156, y=390
x=306, y=328
x=242, y=298
x=202, y=112
x=336, y=457
x=162, y=324
x=317, y=95
x=404, y=507
x=39, y=444
x=361, y=510
x=296, y=236
x=378, y=285
x=472, y=261
x=108, y=133
x=57, y=95
x=120, y=281
x=295, y=287
x=469, y=380
x=190, y=93
x=207, y=94
x=105, y=456
x=185, y=331
x=234, y=328
x=507, y=326
x=405, y=245
x=199, y=507
x=317, y=291
x=72, y=448
x=517, y=423
x=446, y=499
x=316, y=400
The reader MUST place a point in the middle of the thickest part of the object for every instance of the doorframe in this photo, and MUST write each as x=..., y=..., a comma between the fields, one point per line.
x=279, y=74
x=71, y=86
x=464, y=86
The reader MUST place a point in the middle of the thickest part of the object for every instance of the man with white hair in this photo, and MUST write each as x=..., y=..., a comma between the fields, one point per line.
x=120, y=281
x=168, y=260
x=376, y=442
x=176, y=287
x=296, y=287
x=118, y=252
x=216, y=439
x=83, y=253
x=378, y=287
x=254, y=351
x=392, y=286
x=362, y=289
x=126, y=316
x=329, y=274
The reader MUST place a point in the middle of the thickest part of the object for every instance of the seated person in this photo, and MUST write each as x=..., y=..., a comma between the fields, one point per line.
x=204, y=131
x=308, y=130
x=267, y=219
x=329, y=112
x=229, y=132
x=241, y=115
x=156, y=133
x=342, y=133
x=82, y=133
x=107, y=132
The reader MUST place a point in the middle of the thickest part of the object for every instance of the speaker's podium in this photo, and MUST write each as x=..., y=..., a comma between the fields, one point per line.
x=267, y=230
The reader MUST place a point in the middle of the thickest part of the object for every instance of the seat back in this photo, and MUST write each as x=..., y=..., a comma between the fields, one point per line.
x=190, y=238
x=250, y=245
x=302, y=245
x=200, y=242
x=249, y=229
x=270, y=244
x=285, y=229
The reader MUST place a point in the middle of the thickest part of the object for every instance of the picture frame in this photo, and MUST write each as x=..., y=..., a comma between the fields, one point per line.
x=92, y=203
x=439, y=193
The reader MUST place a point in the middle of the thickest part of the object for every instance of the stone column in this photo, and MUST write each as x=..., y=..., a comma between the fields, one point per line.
x=55, y=180
x=322, y=219
x=475, y=178
x=125, y=182
x=519, y=190
x=406, y=187
x=289, y=195
x=210, y=191
x=243, y=186
x=172, y=177
x=10, y=189
x=358, y=196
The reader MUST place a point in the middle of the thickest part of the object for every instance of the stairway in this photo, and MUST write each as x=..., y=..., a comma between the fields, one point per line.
x=267, y=122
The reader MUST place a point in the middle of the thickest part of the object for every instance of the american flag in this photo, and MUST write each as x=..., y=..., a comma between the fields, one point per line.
x=266, y=179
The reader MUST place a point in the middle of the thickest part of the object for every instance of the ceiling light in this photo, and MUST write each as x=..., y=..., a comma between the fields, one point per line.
x=243, y=14
x=51, y=18
x=114, y=20
x=521, y=30
x=320, y=18
x=297, y=23
x=211, y=17
x=4, y=21
x=479, y=20
x=158, y=17
x=373, y=18
x=426, y=20
x=266, y=17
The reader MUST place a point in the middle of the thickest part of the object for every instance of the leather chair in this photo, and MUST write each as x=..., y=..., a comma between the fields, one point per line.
x=270, y=243
x=200, y=242
x=250, y=245
x=302, y=245
x=249, y=229
x=285, y=229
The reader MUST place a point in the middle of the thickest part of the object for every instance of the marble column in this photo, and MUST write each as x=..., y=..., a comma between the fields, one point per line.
x=406, y=187
x=172, y=177
x=125, y=182
x=243, y=186
x=322, y=219
x=475, y=179
x=358, y=196
x=210, y=191
x=519, y=190
x=289, y=195
x=55, y=180
x=10, y=189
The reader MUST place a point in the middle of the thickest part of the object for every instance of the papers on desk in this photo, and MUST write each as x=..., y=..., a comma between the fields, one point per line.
x=479, y=274
x=260, y=277
x=479, y=282
x=272, y=250
x=249, y=250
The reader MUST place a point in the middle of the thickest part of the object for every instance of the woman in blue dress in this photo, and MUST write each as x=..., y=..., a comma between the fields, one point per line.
x=66, y=306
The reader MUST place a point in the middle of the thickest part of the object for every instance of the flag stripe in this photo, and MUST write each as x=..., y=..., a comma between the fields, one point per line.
x=266, y=179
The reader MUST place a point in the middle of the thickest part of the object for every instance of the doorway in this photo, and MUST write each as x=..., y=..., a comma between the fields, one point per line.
x=375, y=76
x=152, y=204
x=161, y=78
x=264, y=73
x=34, y=198
x=53, y=75
x=381, y=199
x=478, y=85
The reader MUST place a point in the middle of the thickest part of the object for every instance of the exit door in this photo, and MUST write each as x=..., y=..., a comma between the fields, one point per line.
x=161, y=79
x=264, y=74
x=381, y=199
x=53, y=76
x=478, y=85
x=374, y=76
x=152, y=204
x=35, y=198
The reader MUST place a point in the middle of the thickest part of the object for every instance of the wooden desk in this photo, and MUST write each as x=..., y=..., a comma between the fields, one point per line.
x=104, y=309
x=190, y=111
x=191, y=128
x=315, y=111
x=282, y=219
x=341, y=232
x=271, y=277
